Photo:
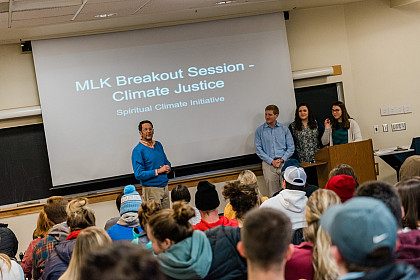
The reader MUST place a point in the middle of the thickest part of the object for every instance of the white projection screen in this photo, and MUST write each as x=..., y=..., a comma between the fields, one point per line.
x=204, y=86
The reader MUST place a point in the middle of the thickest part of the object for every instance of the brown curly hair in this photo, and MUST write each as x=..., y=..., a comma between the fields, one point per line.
x=242, y=197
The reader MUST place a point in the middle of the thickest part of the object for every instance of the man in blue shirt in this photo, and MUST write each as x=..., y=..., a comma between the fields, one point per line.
x=274, y=145
x=151, y=166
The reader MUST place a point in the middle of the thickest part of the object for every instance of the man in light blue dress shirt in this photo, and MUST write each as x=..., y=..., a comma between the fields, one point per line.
x=274, y=145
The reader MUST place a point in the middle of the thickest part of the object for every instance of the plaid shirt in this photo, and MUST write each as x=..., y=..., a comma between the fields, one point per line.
x=40, y=255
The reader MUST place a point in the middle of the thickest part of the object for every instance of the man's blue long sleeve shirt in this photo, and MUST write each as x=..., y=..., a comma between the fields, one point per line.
x=276, y=142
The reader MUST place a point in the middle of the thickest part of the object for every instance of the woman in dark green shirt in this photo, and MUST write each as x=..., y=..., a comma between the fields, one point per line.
x=341, y=129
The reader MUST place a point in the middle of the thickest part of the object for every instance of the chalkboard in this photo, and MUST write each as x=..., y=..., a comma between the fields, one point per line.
x=320, y=98
x=25, y=171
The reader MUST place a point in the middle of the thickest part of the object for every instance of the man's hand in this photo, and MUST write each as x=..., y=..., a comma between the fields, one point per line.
x=277, y=162
x=164, y=169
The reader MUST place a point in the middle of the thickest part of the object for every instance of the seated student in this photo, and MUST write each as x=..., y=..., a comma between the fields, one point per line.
x=129, y=219
x=265, y=243
x=10, y=269
x=410, y=168
x=409, y=249
x=308, y=189
x=292, y=200
x=343, y=169
x=207, y=202
x=55, y=209
x=364, y=234
x=180, y=193
x=147, y=209
x=242, y=198
x=114, y=220
x=121, y=261
x=43, y=225
x=88, y=241
x=181, y=252
x=246, y=177
x=79, y=217
x=311, y=259
x=343, y=186
x=8, y=241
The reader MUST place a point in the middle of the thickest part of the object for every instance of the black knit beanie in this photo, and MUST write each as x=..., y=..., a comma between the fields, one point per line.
x=206, y=197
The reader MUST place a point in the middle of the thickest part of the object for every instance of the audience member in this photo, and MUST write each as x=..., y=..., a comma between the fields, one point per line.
x=129, y=219
x=292, y=200
x=364, y=234
x=265, y=243
x=409, y=242
x=343, y=169
x=308, y=188
x=180, y=193
x=10, y=269
x=114, y=220
x=246, y=177
x=312, y=259
x=409, y=191
x=242, y=198
x=88, y=241
x=182, y=252
x=43, y=225
x=146, y=210
x=121, y=261
x=207, y=202
x=343, y=186
x=79, y=217
x=55, y=209
x=9, y=243
x=410, y=168
x=409, y=249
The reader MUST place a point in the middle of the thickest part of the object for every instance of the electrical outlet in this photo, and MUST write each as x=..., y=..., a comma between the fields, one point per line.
x=398, y=126
x=385, y=127
x=376, y=128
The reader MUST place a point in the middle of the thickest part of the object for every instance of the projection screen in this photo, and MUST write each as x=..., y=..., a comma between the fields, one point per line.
x=203, y=85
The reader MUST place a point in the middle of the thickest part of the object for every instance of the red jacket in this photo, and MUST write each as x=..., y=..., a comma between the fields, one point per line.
x=300, y=264
x=223, y=221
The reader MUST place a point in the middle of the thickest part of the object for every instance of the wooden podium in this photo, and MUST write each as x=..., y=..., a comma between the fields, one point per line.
x=358, y=155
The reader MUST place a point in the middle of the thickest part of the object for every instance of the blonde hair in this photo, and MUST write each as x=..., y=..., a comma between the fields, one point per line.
x=247, y=177
x=79, y=215
x=43, y=225
x=325, y=267
x=5, y=258
x=88, y=241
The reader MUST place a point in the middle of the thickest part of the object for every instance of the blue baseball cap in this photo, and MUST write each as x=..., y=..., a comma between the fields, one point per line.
x=359, y=227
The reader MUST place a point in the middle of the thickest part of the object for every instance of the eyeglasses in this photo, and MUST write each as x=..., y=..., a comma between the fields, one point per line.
x=335, y=110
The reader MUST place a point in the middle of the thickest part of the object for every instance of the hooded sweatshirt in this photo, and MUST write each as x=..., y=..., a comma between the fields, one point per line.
x=190, y=258
x=292, y=203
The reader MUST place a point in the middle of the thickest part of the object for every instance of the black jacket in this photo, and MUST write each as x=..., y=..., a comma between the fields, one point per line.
x=227, y=264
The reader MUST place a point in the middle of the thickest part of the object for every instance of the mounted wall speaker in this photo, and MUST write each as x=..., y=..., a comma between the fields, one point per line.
x=26, y=46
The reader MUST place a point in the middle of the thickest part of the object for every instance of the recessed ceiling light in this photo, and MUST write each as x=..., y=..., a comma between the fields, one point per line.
x=106, y=15
x=225, y=2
